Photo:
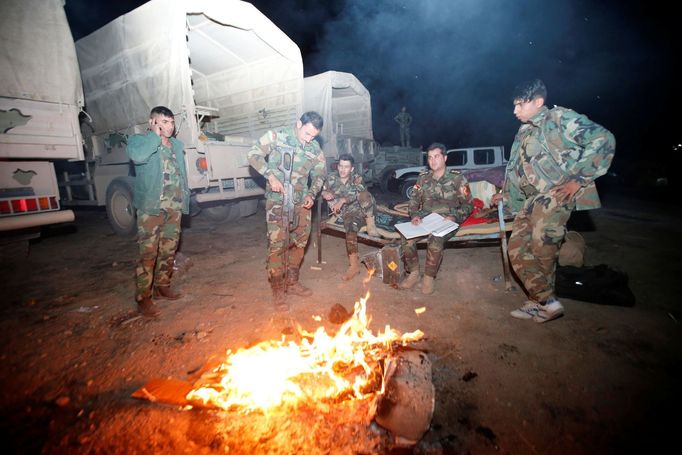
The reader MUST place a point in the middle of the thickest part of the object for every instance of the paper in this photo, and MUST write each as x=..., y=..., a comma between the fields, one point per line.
x=431, y=224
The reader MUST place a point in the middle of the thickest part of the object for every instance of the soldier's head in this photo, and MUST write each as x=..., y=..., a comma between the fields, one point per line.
x=308, y=127
x=436, y=154
x=162, y=121
x=346, y=165
x=528, y=98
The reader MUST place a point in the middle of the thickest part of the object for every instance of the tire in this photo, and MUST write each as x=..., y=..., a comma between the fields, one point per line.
x=222, y=213
x=248, y=207
x=120, y=210
x=407, y=187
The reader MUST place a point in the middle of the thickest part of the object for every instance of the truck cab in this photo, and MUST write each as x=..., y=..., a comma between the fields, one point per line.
x=464, y=159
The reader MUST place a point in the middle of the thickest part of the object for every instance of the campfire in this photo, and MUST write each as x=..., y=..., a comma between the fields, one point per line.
x=274, y=375
x=322, y=392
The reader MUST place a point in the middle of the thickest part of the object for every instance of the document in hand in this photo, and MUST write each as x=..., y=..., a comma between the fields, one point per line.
x=431, y=224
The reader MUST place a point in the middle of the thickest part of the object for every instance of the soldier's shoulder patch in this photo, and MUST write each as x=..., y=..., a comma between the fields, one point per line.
x=417, y=187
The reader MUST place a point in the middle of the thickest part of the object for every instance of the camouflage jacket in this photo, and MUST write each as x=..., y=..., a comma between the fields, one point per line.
x=348, y=190
x=145, y=150
x=555, y=146
x=448, y=196
x=266, y=158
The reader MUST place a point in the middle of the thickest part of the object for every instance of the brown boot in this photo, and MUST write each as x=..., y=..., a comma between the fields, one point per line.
x=294, y=287
x=371, y=227
x=353, y=268
x=166, y=292
x=147, y=307
x=410, y=281
x=427, y=285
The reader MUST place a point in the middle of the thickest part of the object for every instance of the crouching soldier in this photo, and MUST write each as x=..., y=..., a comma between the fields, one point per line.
x=445, y=193
x=347, y=196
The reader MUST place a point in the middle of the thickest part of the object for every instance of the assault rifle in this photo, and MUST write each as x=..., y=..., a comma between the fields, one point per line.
x=288, y=213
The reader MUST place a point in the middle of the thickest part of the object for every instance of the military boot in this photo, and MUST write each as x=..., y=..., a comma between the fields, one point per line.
x=294, y=287
x=371, y=227
x=147, y=307
x=410, y=280
x=166, y=292
x=427, y=285
x=353, y=268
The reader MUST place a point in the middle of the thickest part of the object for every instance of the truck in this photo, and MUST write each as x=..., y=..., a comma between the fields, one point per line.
x=41, y=96
x=488, y=162
x=223, y=68
x=345, y=105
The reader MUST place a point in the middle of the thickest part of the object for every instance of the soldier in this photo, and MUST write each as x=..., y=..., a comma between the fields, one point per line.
x=287, y=157
x=442, y=192
x=161, y=197
x=404, y=119
x=555, y=158
x=346, y=194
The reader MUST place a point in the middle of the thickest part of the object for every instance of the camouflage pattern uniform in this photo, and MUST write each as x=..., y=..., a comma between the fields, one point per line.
x=161, y=197
x=555, y=146
x=308, y=160
x=447, y=196
x=359, y=205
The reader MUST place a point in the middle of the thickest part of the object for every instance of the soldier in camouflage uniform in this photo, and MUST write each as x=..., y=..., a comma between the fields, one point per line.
x=442, y=192
x=347, y=196
x=161, y=197
x=555, y=158
x=266, y=157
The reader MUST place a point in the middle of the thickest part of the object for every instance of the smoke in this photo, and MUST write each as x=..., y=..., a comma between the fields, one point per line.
x=454, y=63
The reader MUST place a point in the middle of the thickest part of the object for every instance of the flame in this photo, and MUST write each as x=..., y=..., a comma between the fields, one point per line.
x=321, y=368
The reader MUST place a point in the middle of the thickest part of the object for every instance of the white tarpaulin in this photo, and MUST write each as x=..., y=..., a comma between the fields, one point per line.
x=222, y=58
x=342, y=101
x=35, y=41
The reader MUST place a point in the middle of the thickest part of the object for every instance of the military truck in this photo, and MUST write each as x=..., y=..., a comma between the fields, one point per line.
x=40, y=97
x=490, y=159
x=226, y=71
x=345, y=106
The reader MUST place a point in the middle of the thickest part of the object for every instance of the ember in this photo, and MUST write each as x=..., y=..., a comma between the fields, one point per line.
x=322, y=368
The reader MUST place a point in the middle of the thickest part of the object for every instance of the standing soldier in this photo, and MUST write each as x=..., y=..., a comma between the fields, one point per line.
x=404, y=119
x=555, y=158
x=287, y=157
x=442, y=192
x=346, y=194
x=161, y=197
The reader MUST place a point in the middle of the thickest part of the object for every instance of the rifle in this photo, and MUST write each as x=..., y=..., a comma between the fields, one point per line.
x=288, y=214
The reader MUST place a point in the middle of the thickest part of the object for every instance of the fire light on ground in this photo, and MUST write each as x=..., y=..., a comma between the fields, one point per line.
x=320, y=369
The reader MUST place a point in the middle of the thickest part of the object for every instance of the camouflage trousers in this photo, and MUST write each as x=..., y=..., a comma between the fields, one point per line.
x=157, y=237
x=354, y=218
x=434, y=254
x=298, y=238
x=537, y=233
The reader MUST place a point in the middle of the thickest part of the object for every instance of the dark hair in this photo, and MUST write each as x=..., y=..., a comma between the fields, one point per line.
x=162, y=110
x=530, y=90
x=437, y=145
x=313, y=118
x=347, y=157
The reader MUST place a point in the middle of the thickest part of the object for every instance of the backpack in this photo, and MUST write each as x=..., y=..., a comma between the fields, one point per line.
x=599, y=284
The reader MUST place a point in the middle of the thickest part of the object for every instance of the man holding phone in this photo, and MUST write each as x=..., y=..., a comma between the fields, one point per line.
x=161, y=198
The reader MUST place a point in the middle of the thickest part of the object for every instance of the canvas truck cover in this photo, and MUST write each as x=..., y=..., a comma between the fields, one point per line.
x=221, y=58
x=344, y=104
x=37, y=56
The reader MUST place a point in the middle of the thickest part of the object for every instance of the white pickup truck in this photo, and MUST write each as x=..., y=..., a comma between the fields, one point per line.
x=469, y=159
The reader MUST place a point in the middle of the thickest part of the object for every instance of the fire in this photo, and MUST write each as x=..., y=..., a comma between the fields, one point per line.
x=321, y=368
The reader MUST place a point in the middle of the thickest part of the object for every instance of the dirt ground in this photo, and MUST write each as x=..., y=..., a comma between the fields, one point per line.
x=601, y=379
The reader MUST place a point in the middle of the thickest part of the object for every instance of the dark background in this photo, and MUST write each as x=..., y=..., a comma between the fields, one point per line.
x=454, y=64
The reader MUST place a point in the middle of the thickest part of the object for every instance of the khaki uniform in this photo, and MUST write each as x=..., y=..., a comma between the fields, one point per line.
x=308, y=161
x=556, y=146
x=447, y=196
x=360, y=205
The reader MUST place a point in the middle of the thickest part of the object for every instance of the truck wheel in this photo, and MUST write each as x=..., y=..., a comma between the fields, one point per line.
x=407, y=188
x=120, y=210
x=383, y=180
x=248, y=207
x=222, y=213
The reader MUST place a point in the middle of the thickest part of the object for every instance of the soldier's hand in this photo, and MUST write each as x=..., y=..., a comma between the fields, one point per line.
x=416, y=220
x=327, y=195
x=564, y=193
x=307, y=201
x=495, y=199
x=275, y=184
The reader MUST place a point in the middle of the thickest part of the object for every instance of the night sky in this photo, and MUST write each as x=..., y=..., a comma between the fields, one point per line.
x=454, y=63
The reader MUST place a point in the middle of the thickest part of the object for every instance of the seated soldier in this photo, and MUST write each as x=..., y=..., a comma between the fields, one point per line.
x=347, y=196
